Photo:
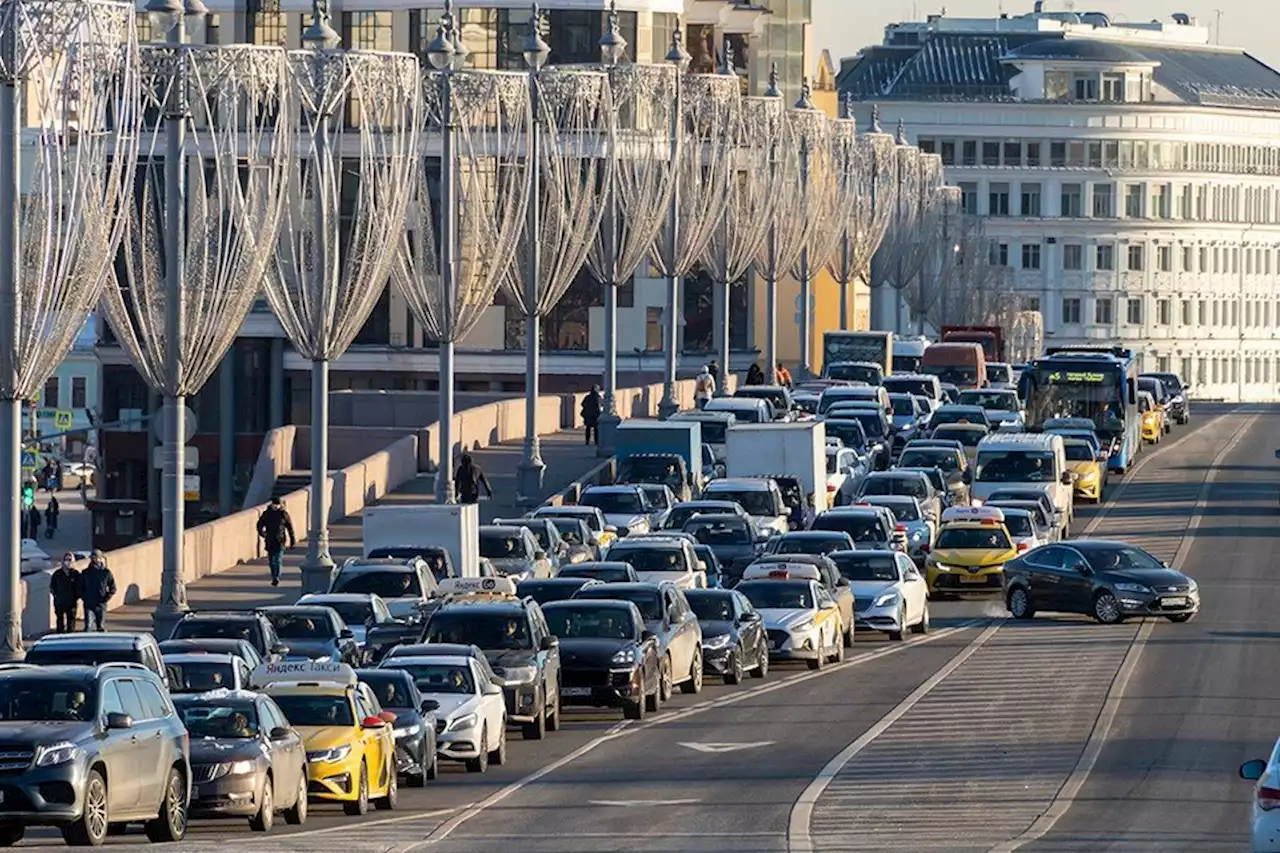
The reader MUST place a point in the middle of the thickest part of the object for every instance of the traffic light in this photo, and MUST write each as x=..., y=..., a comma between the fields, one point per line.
x=28, y=495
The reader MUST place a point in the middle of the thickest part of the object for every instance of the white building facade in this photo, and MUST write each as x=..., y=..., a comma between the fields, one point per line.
x=1129, y=175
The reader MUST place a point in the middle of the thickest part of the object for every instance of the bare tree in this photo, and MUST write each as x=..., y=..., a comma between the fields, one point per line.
x=975, y=288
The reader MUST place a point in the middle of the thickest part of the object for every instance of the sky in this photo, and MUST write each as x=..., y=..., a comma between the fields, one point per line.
x=846, y=26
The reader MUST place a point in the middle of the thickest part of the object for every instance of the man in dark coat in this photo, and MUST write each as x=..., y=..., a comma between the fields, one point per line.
x=33, y=523
x=98, y=587
x=51, y=518
x=468, y=479
x=591, y=406
x=64, y=587
x=276, y=527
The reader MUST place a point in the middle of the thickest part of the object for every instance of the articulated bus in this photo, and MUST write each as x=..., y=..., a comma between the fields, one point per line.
x=1099, y=383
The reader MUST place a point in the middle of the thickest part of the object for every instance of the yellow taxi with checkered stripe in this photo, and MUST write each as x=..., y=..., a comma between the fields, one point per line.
x=968, y=557
x=801, y=619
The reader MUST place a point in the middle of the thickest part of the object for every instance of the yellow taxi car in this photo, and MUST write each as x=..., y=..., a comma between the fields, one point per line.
x=349, y=739
x=970, y=552
x=1152, y=418
x=1091, y=473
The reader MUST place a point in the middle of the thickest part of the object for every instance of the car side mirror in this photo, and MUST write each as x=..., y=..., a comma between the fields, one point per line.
x=548, y=643
x=1253, y=770
x=1067, y=478
x=429, y=706
x=539, y=555
x=372, y=723
x=119, y=721
x=279, y=733
x=492, y=690
x=346, y=634
x=279, y=649
x=1165, y=563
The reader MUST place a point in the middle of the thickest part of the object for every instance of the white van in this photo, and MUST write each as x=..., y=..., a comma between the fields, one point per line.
x=748, y=410
x=1025, y=460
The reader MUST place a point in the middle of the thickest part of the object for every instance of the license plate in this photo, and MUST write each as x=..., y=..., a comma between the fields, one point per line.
x=973, y=579
x=1174, y=602
x=576, y=691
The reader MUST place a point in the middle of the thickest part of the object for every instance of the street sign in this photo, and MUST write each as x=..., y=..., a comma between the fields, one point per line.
x=63, y=418
x=28, y=460
x=160, y=425
x=191, y=487
x=190, y=457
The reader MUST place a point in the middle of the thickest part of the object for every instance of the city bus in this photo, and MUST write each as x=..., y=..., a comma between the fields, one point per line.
x=1098, y=383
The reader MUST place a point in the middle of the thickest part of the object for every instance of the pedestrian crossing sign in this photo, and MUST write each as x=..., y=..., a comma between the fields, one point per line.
x=62, y=419
x=28, y=460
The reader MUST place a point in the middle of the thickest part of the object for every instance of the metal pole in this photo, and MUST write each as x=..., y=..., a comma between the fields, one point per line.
x=669, y=405
x=806, y=315
x=276, y=403
x=173, y=585
x=448, y=272
x=226, y=433
x=845, y=276
x=532, y=468
x=609, y=418
x=10, y=409
x=771, y=311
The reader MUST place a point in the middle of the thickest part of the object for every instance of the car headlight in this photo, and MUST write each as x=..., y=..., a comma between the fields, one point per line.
x=408, y=731
x=56, y=753
x=328, y=756
x=944, y=567
x=801, y=627
x=1133, y=587
x=626, y=657
x=885, y=599
x=1088, y=476
x=240, y=768
x=521, y=674
x=1192, y=586
x=721, y=642
x=466, y=721
x=976, y=502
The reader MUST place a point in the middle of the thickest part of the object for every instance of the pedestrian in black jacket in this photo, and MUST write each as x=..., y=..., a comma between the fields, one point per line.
x=98, y=587
x=468, y=479
x=33, y=523
x=591, y=406
x=276, y=527
x=51, y=518
x=65, y=588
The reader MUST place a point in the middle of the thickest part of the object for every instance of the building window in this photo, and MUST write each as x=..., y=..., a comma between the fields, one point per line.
x=368, y=30
x=1188, y=259
x=1030, y=200
x=1104, y=258
x=947, y=151
x=1204, y=259
x=1057, y=85
x=664, y=24
x=1164, y=311
x=1201, y=313
x=1102, y=311
x=269, y=29
x=78, y=395
x=1033, y=154
x=969, y=153
x=1071, y=200
x=1160, y=202
x=1133, y=201
x=1162, y=363
x=1104, y=201
x=1133, y=311
x=1164, y=258
x=998, y=254
x=1086, y=86
x=653, y=328
x=1186, y=312
x=998, y=200
x=1057, y=154
x=1013, y=153
x=1235, y=314
x=1217, y=314
x=1071, y=310
x=1135, y=258
x=969, y=198
x=1072, y=256
x=1112, y=87
x=1185, y=375
x=1031, y=303
x=990, y=153
x=1031, y=256
x=50, y=398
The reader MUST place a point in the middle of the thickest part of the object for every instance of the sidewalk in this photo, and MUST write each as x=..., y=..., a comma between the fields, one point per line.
x=249, y=584
x=75, y=527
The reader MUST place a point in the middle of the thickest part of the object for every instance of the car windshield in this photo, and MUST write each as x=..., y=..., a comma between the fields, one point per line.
x=755, y=502
x=353, y=612
x=649, y=601
x=852, y=435
x=872, y=422
x=388, y=584
x=711, y=606
x=644, y=558
x=902, y=404
x=1019, y=526
x=736, y=532
x=745, y=413
x=792, y=492
x=303, y=626
x=979, y=538
x=777, y=595
x=942, y=458
x=80, y=657
x=1079, y=453
x=608, y=574
x=867, y=373
x=999, y=373
x=951, y=374
x=486, y=630
x=902, y=510
x=590, y=518
x=205, y=719
x=190, y=677
x=861, y=528
x=648, y=469
x=613, y=503
x=913, y=487
x=658, y=498
x=681, y=513
x=833, y=462
x=713, y=432
x=967, y=437
x=40, y=699
x=389, y=687
x=502, y=545
x=866, y=567
x=1119, y=558
x=440, y=677
x=570, y=530
x=605, y=623
x=810, y=544
x=918, y=387
x=217, y=629
x=1014, y=466
x=435, y=558
x=989, y=400
x=310, y=709
x=543, y=592
x=1171, y=382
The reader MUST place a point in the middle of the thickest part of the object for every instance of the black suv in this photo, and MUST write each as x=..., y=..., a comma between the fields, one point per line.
x=83, y=748
x=232, y=625
x=522, y=651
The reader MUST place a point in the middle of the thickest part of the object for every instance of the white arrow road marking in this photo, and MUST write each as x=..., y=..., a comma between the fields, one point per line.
x=727, y=747
x=642, y=803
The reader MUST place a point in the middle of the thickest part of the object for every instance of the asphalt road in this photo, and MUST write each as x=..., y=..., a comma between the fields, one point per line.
x=1056, y=735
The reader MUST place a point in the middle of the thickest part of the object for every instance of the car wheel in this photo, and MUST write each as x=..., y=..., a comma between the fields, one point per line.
x=266, y=816
x=360, y=805
x=665, y=688
x=297, y=815
x=392, y=798
x=432, y=771
x=820, y=661
x=1019, y=604
x=1180, y=617
x=91, y=828
x=553, y=716
x=536, y=730
x=735, y=673
x=922, y=627
x=11, y=835
x=1106, y=609
x=838, y=642
x=498, y=756
x=762, y=665
x=694, y=683
x=171, y=823
x=653, y=701
x=635, y=710
x=480, y=763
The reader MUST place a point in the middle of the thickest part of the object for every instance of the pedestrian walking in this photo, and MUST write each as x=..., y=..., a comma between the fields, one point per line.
x=275, y=527
x=33, y=523
x=98, y=587
x=65, y=588
x=755, y=376
x=704, y=387
x=713, y=367
x=48, y=476
x=591, y=406
x=51, y=518
x=784, y=376
x=468, y=479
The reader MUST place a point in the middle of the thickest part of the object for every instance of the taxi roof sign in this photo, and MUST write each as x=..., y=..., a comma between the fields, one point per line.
x=782, y=572
x=304, y=671
x=478, y=586
x=983, y=514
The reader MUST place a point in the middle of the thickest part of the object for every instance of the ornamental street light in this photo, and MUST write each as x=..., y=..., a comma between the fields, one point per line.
x=343, y=221
x=60, y=234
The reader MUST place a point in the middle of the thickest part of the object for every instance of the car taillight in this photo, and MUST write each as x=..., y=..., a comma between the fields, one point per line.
x=830, y=487
x=900, y=527
x=1268, y=798
x=1022, y=546
x=925, y=549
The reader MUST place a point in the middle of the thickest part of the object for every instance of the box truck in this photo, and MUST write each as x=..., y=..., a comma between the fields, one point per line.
x=395, y=530
x=786, y=450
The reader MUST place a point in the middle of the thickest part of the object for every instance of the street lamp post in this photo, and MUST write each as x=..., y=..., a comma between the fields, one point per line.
x=668, y=406
x=443, y=56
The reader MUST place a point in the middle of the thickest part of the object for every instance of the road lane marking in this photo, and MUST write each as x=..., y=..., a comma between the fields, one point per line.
x=1106, y=717
x=629, y=804
x=369, y=824
x=727, y=747
x=798, y=837
x=444, y=830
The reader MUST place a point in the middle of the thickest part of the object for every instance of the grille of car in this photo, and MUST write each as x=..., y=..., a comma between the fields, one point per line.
x=440, y=724
x=584, y=677
x=777, y=638
x=203, y=772
x=14, y=758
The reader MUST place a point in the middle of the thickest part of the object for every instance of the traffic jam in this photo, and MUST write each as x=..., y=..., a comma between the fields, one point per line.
x=772, y=528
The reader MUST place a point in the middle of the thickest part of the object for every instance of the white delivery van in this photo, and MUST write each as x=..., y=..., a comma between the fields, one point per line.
x=391, y=530
x=782, y=450
x=1026, y=461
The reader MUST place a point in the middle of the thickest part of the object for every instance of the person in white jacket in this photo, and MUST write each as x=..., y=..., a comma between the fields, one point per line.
x=704, y=388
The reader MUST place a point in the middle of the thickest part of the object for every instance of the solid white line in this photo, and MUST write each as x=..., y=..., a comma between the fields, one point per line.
x=447, y=828
x=356, y=827
x=798, y=838
x=1070, y=789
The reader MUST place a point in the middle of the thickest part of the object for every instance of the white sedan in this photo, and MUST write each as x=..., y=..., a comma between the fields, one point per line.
x=472, y=707
x=890, y=595
x=1265, y=823
x=801, y=618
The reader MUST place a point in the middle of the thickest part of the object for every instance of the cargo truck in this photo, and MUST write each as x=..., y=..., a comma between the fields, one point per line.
x=867, y=347
x=667, y=452
x=792, y=450
x=990, y=337
x=398, y=530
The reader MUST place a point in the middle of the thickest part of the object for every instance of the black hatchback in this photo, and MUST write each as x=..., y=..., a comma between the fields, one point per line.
x=1108, y=580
